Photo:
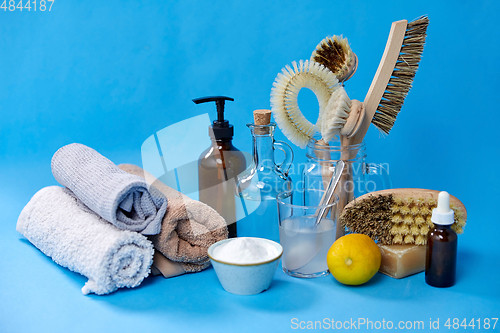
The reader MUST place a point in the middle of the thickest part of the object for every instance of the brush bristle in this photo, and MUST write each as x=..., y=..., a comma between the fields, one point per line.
x=409, y=239
x=408, y=219
x=424, y=210
x=404, y=209
x=396, y=218
x=398, y=239
x=370, y=217
x=419, y=220
x=395, y=209
x=420, y=240
x=336, y=54
x=286, y=87
x=402, y=76
x=333, y=118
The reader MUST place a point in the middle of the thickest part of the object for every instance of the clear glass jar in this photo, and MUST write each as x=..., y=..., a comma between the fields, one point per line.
x=259, y=185
x=358, y=178
x=306, y=236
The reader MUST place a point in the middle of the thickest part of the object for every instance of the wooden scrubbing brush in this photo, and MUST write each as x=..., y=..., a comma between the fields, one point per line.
x=398, y=216
x=394, y=76
x=391, y=83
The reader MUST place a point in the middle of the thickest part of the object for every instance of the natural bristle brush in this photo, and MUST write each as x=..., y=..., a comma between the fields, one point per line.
x=336, y=54
x=325, y=85
x=388, y=90
x=394, y=76
x=332, y=62
x=341, y=116
x=348, y=119
x=332, y=57
x=398, y=216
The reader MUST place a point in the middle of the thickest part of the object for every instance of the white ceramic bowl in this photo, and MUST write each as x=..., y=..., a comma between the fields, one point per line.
x=245, y=279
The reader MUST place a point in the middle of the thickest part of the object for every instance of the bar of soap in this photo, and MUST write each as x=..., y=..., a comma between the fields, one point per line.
x=399, y=261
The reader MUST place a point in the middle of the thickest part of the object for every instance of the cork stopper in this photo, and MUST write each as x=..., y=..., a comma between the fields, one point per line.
x=262, y=117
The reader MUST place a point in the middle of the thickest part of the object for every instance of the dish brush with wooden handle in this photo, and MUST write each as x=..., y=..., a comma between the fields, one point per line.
x=394, y=76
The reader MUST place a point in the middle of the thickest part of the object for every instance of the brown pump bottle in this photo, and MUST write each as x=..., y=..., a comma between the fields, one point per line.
x=219, y=166
x=441, y=252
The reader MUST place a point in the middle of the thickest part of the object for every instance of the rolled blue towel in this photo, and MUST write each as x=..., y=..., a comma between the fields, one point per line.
x=117, y=196
x=82, y=241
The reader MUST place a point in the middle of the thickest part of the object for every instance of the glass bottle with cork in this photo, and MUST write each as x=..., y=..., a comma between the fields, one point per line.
x=259, y=185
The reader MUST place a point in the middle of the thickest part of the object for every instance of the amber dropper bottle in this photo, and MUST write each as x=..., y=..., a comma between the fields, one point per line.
x=441, y=252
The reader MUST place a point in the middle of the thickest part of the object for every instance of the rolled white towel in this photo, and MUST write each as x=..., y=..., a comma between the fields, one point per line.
x=120, y=198
x=80, y=240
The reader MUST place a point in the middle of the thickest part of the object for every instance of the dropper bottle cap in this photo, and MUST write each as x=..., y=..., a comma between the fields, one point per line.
x=443, y=215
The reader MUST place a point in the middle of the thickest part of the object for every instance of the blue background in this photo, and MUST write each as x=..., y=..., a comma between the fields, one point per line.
x=109, y=74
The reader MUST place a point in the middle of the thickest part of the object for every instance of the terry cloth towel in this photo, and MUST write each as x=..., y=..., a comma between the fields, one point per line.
x=78, y=239
x=188, y=229
x=118, y=197
x=166, y=267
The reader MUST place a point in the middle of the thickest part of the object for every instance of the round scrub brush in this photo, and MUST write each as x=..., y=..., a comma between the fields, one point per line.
x=336, y=54
x=286, y=87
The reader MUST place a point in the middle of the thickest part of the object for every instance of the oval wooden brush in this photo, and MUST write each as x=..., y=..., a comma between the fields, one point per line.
x=398, y=216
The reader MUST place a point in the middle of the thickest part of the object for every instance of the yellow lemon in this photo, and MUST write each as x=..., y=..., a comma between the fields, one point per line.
x=354, y=259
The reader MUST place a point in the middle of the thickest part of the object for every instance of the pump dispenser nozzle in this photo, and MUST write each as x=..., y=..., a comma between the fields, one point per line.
x=222, y=128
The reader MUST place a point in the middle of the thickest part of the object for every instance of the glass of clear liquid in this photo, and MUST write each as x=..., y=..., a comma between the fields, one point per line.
x=306, y=236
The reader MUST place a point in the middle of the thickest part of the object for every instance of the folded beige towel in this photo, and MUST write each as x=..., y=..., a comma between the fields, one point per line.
x=168, y=268
x=188, y=229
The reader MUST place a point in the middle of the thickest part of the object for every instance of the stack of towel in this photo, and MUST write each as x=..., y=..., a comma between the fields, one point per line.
x=97, y=225
x=119, y=197
x=84, y=242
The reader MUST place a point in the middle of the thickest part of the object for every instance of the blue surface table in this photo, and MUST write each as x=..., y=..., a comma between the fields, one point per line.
x=40, y=296
x=110, y=74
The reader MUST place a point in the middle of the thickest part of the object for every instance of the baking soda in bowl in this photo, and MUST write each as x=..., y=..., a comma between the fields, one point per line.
x=245, y=251
x=245, y=265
